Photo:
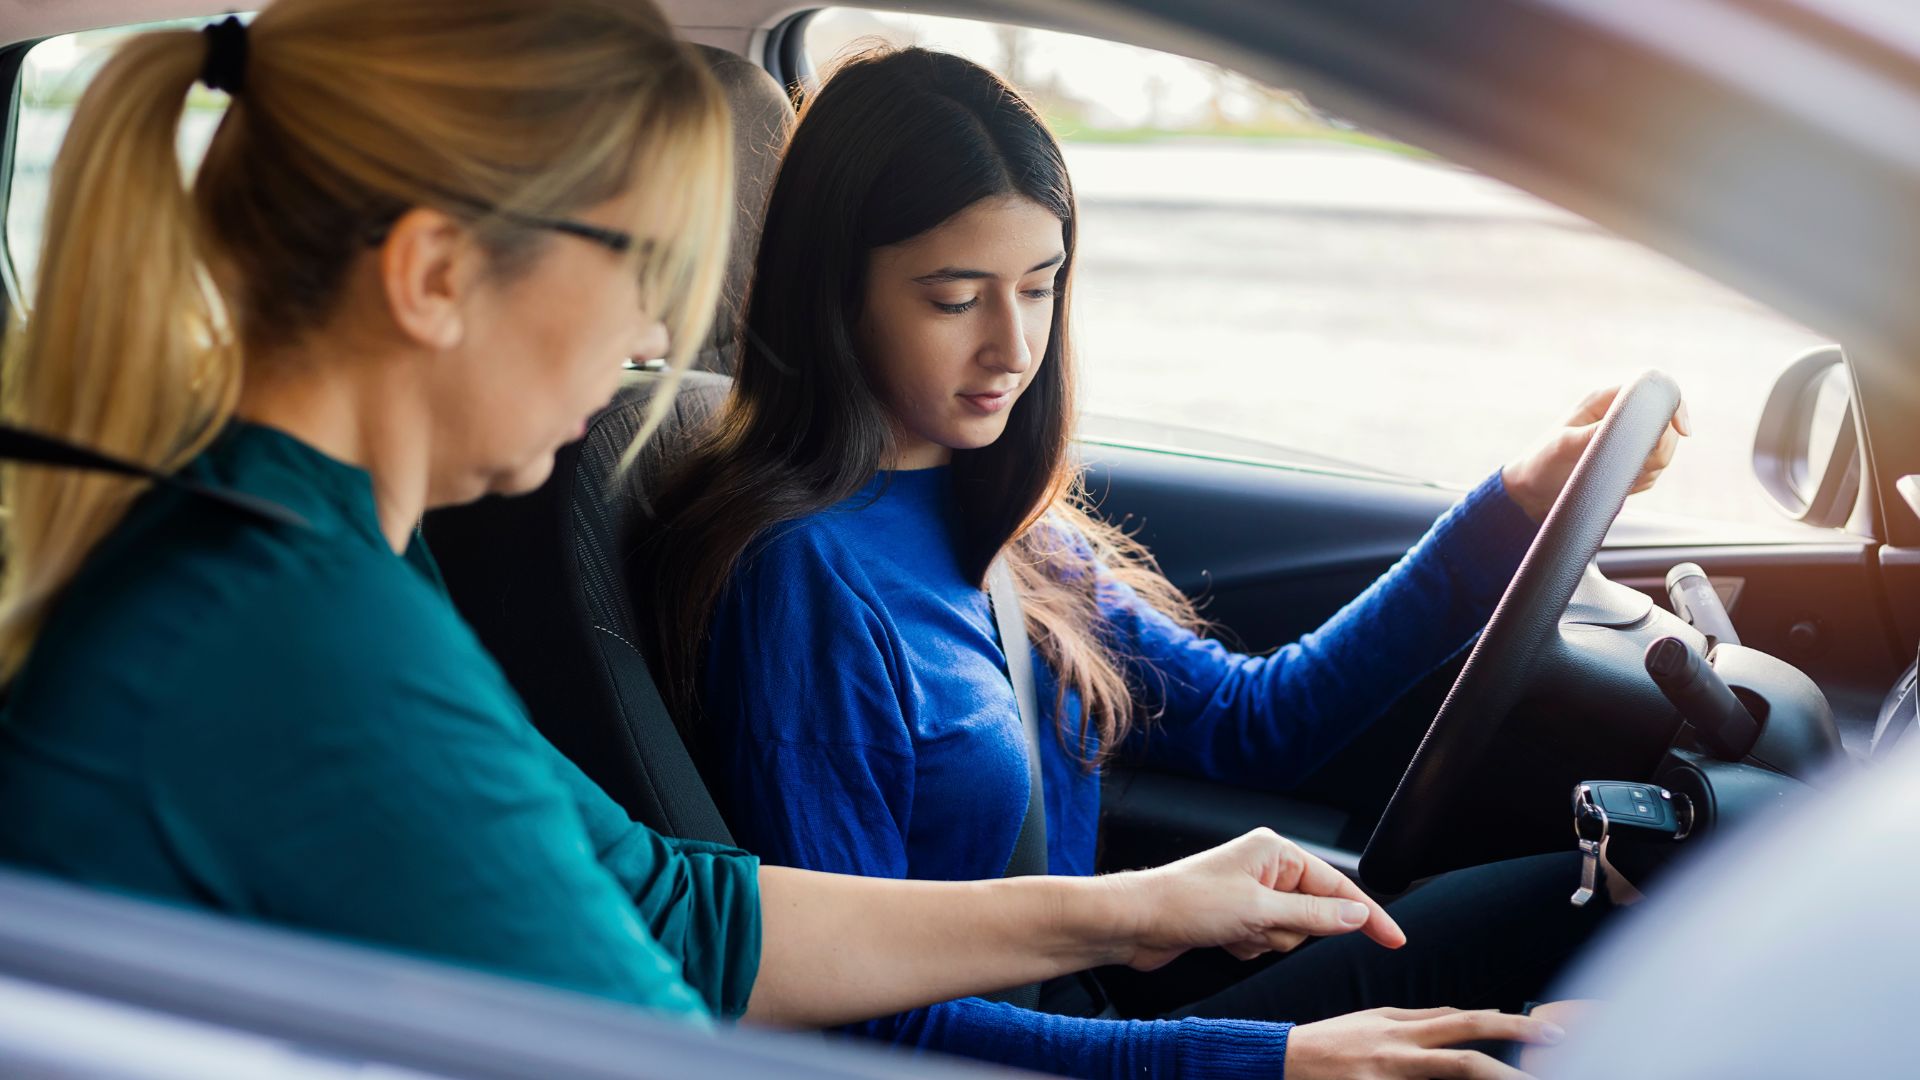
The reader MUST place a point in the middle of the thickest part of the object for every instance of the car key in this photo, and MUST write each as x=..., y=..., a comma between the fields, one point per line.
x=1621, y=809
x=1589, y=828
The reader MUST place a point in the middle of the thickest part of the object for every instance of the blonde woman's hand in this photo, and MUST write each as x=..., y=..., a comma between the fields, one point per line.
x=1535, y=480
x=1410, y=1044
x=1257, y=894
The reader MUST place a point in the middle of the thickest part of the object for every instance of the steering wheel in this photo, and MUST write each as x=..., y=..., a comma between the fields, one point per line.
x=1410, y=840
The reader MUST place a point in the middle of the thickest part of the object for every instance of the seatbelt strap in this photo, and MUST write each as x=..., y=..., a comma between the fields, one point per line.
x=32, y=448
x=1030, y=848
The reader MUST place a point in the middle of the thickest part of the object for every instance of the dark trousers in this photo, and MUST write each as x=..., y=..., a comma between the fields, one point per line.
x=1491, y=937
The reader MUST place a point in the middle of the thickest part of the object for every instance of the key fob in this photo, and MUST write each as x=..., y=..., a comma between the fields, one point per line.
x=1624, y=811
x=1635, y=811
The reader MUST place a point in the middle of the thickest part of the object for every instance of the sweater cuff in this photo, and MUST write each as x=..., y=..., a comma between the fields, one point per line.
x=1209, y=1049
x=1482, y=539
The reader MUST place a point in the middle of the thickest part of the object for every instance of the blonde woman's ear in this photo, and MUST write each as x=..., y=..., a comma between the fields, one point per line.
x=429, y=266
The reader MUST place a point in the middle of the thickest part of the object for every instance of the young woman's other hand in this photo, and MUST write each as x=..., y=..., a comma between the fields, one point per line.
x=1257, y=894
x=1410, y=1044
x=1535, y=480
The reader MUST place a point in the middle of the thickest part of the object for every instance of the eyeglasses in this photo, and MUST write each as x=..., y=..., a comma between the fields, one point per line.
x=617, y=241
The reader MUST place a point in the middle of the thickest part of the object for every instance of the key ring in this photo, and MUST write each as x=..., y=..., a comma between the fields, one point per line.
x=1588, y=816
x=1586, y=811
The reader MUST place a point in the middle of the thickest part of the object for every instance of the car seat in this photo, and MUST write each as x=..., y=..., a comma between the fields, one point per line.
x=538, y=577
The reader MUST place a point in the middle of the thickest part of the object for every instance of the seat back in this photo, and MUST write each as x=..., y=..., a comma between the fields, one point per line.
x=540, y=577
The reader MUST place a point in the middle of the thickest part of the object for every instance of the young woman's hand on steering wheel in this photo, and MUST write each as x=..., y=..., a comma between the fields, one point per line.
x=1260, y=893
x=1534, y=481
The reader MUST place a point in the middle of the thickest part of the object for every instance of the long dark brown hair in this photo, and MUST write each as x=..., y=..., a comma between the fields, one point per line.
x=894, y=144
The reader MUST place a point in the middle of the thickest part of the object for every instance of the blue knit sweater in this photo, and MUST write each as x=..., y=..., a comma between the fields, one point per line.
x=862, y=722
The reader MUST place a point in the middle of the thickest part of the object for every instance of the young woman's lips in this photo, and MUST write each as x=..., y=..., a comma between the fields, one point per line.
x=989, y=403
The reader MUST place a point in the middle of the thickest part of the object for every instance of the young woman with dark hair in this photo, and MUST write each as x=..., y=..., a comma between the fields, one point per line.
x=902, y=419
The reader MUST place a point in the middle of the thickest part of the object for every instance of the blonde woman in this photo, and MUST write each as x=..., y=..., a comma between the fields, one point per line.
x=422, y=240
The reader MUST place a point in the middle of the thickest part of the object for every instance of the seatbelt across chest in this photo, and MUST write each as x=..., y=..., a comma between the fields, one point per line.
x=31, y=448
x=1030, y=848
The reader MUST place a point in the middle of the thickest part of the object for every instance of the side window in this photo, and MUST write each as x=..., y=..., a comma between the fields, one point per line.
x=52, y=78
x=1258, y=279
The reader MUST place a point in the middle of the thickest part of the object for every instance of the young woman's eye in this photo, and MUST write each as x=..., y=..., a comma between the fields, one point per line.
x=957, y=309
x=1039, y=294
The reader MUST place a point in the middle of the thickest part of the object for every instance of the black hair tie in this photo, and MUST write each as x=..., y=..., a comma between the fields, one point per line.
x=226, y=66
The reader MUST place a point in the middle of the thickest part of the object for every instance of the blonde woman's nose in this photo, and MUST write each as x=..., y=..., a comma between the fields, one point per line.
x=652, y=343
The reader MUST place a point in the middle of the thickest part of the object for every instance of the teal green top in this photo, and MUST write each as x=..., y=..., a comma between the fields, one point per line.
x=295, y=725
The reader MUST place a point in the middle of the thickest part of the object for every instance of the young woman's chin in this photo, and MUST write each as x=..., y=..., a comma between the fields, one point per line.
x=975, y=433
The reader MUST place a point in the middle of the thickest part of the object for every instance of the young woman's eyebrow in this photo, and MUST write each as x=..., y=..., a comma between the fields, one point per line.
x=956, y=273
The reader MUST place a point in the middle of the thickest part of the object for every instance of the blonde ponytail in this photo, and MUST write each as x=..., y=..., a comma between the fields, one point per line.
x=124, y=349
x=351, y=111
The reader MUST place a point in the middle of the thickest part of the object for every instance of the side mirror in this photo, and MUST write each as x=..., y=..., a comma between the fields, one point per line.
x=1806, y=452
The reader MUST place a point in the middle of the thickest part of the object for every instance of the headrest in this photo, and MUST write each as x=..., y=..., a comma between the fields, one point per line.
x=762, y=121
x=613, y=429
